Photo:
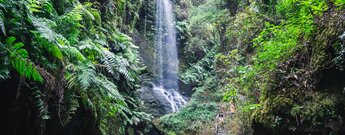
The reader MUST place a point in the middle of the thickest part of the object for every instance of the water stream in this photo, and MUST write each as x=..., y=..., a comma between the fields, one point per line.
x=166, y=59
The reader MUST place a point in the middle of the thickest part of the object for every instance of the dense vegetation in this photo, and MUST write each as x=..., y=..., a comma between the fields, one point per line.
x=256, y=67
x=67, y=68
x=277, y=63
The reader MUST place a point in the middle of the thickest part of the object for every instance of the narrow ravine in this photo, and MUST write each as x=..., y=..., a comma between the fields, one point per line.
x=172, y=67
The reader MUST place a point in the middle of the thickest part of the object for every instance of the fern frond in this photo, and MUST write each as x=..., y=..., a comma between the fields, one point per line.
x=19, y=59
x=109, y=88
x=2, y=23
x=71, y=20
x=82, y=76
x=72, y=53
x=90, y=49
x=41, y=107
x=116, y=65
x=68, y=110
x=34, y=5
x=109, y=61
x=46, y=37
x=4, y=74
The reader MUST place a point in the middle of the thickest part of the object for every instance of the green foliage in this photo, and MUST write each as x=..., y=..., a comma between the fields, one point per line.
x=46, y=38
x=18, y=58
x=41, y=106
x=190, y=118
x=202, y=69
x=278, y=42
x=340, y=3
x=82, y=76
x=247, y=60
x=77, y=43
x=321, y=107
x=232, y=95
x=200, y=110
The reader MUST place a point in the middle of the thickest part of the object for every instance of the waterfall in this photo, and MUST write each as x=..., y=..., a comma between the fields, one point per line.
x=166, y=59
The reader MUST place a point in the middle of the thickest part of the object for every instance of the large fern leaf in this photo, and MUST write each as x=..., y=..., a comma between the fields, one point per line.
x=41, y=106
x=108, y=88
x=19, y=59
x=46, y=37
x=69, y=108
x=81, y=76
x=116, y=65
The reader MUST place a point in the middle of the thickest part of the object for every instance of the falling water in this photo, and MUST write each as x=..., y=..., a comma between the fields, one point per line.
x=166, y=60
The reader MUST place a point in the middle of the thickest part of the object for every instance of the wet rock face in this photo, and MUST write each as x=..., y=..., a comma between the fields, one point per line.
x=151, y=103
x=185, y=89
x=154, y=102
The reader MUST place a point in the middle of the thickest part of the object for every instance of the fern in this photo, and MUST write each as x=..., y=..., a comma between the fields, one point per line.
x=71, y=20
x=40, y=7
x=2, y=23
x=200, y=71
x=35, y=5
x=82, y=76
x=108, y=88
x=41, y=107
x=68, y=110
x=91, y=50
x=76, y=40
x=46, y=37
x=4, y=74
x=72, y=53
x=19, y=59
x=116, y=65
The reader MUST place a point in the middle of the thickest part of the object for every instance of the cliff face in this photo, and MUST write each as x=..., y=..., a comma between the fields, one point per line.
x=306, y=95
